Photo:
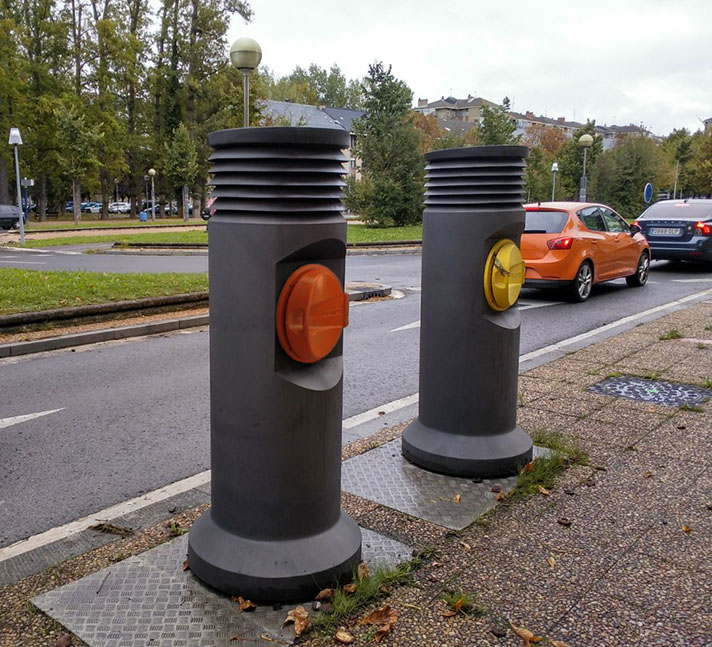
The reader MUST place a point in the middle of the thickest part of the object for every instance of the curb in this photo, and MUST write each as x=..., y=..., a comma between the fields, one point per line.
x=357, y=292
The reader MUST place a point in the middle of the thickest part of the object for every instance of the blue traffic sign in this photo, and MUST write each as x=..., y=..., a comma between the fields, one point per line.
x=648, y=192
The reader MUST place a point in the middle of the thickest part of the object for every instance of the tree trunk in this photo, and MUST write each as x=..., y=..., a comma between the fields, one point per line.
x=4, y=181
x=76, y=200
x=42, y=198
x=105, y=195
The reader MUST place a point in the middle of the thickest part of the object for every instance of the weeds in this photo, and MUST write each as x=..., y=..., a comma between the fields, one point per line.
x=691, y=407
x=175, y=530
x=379, y=583
x=461, y=602
x=707, y=384
x=673, y=333
x=701, y=346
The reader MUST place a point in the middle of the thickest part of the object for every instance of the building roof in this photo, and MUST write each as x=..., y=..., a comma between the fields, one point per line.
x=459, y=104
x=301, y=114
x=344, y=116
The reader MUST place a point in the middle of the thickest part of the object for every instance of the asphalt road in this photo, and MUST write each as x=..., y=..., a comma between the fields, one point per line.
x=133, y=416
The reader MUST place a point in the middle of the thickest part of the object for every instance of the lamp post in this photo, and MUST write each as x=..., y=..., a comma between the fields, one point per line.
x=15, y=140
x=152, y=173
x=585, y=142
x=245, y=55
x=554, y=170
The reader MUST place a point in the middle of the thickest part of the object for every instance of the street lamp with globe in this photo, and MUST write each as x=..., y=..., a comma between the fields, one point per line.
x=245, y=55
x=585, y=142
x=152, y=173
x=15, y=140
x=554, y=170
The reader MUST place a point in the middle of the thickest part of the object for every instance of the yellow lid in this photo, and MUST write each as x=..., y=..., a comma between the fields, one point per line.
x=504, y=275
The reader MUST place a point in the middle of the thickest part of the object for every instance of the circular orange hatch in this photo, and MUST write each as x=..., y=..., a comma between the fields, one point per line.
x=312, y=310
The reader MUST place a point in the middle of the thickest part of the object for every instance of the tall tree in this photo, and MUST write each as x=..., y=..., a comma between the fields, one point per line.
x=391, y=189
x=179, y=163
x=570, y=159
x=497, y=127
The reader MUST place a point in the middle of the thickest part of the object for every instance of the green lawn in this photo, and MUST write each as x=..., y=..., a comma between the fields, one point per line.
x=115, y=223
x=31, y=290
x=355, y=233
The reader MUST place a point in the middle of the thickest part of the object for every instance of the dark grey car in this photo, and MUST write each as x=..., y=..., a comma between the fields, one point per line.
x=9, y=216
x=679, y=230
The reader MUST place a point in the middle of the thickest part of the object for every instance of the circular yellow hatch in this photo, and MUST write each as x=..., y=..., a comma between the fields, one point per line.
x=312, y=310
x=504, y=275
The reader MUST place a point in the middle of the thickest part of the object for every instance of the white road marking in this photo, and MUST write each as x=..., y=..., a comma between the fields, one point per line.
x=700, y=280
x=16, y=420
x=74, y=527
x=118, y=510
x=372, y=414
x=24, y=262
x=523, y=305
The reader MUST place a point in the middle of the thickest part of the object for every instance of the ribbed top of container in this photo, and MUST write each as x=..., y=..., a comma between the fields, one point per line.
x=278, y=170
x=475, y=177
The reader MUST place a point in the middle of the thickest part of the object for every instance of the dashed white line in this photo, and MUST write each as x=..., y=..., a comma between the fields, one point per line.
x=16, y=420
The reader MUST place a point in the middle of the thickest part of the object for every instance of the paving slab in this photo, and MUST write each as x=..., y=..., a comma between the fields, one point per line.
x=384, y=476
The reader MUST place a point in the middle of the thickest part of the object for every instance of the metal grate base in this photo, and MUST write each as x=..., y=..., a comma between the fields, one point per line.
x=668, y=394
x=149, y=600
x=383, y=475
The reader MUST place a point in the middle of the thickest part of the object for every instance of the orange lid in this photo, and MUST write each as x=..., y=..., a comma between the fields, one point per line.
x=312, y=310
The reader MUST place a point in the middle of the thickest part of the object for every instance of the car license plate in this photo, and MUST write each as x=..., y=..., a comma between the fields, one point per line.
x=665, y=231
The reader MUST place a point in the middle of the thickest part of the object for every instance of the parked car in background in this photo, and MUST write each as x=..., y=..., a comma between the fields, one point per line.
x=9, y=216
x=119, y=207
x=94, y=207
x=679, y=230
x=574, y=245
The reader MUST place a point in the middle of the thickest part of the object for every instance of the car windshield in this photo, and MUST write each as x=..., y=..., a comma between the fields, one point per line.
x=678, y=211
x=545, y=222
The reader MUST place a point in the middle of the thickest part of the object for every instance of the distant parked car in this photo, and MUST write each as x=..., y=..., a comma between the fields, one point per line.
x=9, y=216
x=119, y=207
x=679, y=230
x=574, y=245
x=94, y=207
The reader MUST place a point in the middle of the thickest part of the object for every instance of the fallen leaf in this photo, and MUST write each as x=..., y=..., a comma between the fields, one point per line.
x=686, y=528
x=500, y=496
x=349, y=588
x=185, y=565
x=382, y=616
x=528, y=467
x=558, y=643
x=362, y=571
x=496, y=488
x=300, y=617
x=457, y=498
x=466, y=546
x=382, y=631
x=408, y=605
x=648, y=475
x=245, y=605
x=458, y=603
x=344, y=637
x=325, y=594
x=269, y=639
x=564, y=522
x=552, y=562
x=64, y=640
x=381, y=413
x=524, y=633
x=449, y=613
x=544, y=491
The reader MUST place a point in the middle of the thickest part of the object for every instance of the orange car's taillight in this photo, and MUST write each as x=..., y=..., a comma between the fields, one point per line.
x=703, y=228
x=560, y=243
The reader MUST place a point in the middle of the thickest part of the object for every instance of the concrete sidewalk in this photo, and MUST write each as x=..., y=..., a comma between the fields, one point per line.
x=618, y=551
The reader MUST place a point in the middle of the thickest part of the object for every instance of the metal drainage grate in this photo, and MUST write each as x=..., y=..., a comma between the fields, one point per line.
x=668, y=394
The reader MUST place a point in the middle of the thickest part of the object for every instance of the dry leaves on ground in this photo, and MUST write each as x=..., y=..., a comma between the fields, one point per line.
x=362, y=571
x=384, y=618
x=325, y=594
x=300, y=617
x=349, y=588
x=552, y=562
x=64, y=640
x=544, y=491
x=245, y=605
x=527, y=636
x=344, y=637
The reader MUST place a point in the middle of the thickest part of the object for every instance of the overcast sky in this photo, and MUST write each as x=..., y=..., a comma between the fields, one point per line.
x=615, y=61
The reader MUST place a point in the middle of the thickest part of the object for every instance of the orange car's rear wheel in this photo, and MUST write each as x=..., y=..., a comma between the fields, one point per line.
x=642, y=270
x=580, y=288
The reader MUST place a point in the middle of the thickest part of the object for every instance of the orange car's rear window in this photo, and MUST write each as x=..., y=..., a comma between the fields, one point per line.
x=545, y=222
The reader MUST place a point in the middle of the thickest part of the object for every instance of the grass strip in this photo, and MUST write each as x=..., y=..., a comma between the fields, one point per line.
x=109, y=224
x=355, y=234
x=32, y=290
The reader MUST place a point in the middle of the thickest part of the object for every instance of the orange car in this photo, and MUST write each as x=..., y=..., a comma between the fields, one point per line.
x=574, y=245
